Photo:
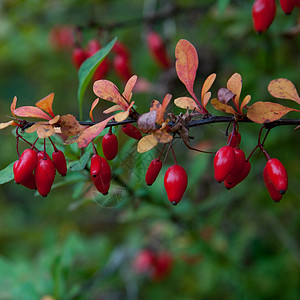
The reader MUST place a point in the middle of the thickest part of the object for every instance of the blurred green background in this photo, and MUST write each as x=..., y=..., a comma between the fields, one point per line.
x=78, y=244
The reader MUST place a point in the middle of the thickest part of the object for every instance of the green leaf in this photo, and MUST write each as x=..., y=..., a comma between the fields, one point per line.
x=88, y=68
x=222, y=5
x=7, y=174
x=80, y=164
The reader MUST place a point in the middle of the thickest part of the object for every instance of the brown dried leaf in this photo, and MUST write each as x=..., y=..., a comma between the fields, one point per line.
x=106, y=90
x=186, y=102
x=186, y=64
x=31, y=112
x=90, y=133
x=265, y=112
x=146, y=122
x=245, y=102
x=222, y=107
x=207, y=85
x=70, y=126
x=46, y=104
x=112, y=109
x=13, y=106
x=4, y=125
x=146, y=143
x=94, y=104
x=234, y=84
x=284, y=89
x=225, y=95
x=162, y=136
x=205, y=99
x=129, y=87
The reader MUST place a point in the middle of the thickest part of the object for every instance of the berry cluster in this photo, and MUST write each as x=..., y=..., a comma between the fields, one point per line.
x=121, y=60
x=230, y=164
x=36, y=170
x=264, y=11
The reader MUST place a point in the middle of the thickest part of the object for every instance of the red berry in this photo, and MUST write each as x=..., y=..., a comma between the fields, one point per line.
x=29, y=182
x=239, y=163
x=232, y=181
x=263, y=14
x=96, y=165
x=143, y=262
x=158, y=49
x=224, y=162
x=234, y=139
x=277, y=174
x=131, y=131
x=175, y=182
x=62, y=37
x=110, y=146
x=25, y=165
x=162, y=266
x=287, y=6
x=122, y=67
x=153, y=171
x=102, y=181
x=60, y=162
x=44, y=176
x=78, y=57
x=275, y=195
x=40, y=155
x=120, y=49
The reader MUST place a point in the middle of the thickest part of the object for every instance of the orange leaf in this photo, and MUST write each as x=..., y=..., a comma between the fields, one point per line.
x=70, y=126
x=166, y=102
x=90, y=133
x=146, y=143
x=284, y=89
x=186, y=103
x=207, y=84
x=129, y=87
x=46, y=104
x=54, y=120
x=31, y=112
x=234, y=84
x=205, y=99
x=4, y=125
x=106, y=90
x=156, y=106
x=186, y=64
x=245, y=102
x=94, y=104
x=113, y=109
x=13, y=106
x=265, y=112
x=222, y=107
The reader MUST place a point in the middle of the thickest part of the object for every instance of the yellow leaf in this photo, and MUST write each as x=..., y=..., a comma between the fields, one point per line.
x=54, y=120
x=265, y=112
x=113, y=109
x=207, y=85
x=146, y=143
x=162, y=136
x=284, y=89
x=121, y=116
x=186, y=102
x=94, y=104
x=205, y=99
x=245, y=102
x=234, y=84
x=4, y=125
x=129, y=87
x=222, y=107
x=46, y=104
x=44, y=131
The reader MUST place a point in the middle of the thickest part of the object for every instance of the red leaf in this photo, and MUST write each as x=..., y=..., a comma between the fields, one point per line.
x=90, y=133
x=31, y=112
x=129, y=87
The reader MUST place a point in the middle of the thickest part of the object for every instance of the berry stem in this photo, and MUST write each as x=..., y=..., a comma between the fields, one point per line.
x=54, y=147
x=174, y=154
x=45, y=155
x=94, y=148
x=161, y=152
